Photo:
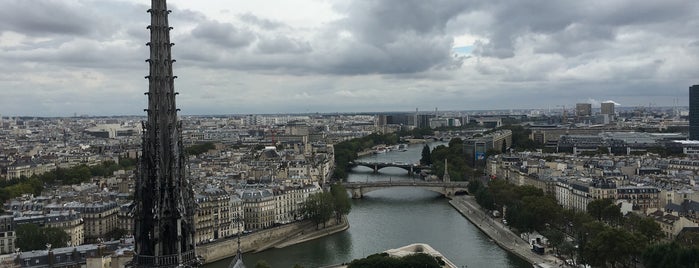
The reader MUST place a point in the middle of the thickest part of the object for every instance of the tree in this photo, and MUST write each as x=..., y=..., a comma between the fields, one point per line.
x=645, y=227
x=611, y=246
x=262, y=264
x=426, y=156
x=485, y=198
x=556, y=238
x=29, y=237
x=327, y=207
x=32, y=237
x=596, y=207
x=383, y=260
x=319, y=208
x=198, y=149
x=612, y=214
x=670, y=255
x=474, y=186
x=55, y=236
x=341, y=200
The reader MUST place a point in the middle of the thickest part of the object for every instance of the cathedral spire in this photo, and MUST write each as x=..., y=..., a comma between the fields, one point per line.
x=164, y=222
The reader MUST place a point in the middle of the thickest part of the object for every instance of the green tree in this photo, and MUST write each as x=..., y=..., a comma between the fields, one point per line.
x=612, y=247
x=201, y=148
x=319, y=208
x=596, y=208
x=646, y=227
x=29, y=237
x=262, y=264
x=341, y=200
x=474, y=186
x=670, y=255
x=32, y=237
x=383, y=260
x=556, y=238
x=327, y=207
x=55, y=236
x=426, y=158
x=485, y=199
x=612, y=215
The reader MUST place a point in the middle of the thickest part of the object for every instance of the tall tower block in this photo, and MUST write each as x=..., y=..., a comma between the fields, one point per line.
x=694, y=112
x=164, y=212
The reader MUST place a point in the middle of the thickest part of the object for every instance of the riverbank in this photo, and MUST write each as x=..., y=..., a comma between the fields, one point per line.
x=498, y=232
x=277, y=237
x=312, y=233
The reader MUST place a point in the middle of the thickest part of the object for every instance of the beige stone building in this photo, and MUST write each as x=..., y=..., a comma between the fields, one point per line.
x=671, y=224
x=216, y=215
x=99, y=218
x=258, y=208
x=17, y=170
x=643, y=198
x=290, y=200
x=69, y=221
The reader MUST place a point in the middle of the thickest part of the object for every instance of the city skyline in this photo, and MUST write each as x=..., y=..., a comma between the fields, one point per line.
x=61, y=58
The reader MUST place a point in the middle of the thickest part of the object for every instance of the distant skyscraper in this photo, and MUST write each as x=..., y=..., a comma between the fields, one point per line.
x=164, y=214
x=583, y=109
x=607, y=108
x=694, y=112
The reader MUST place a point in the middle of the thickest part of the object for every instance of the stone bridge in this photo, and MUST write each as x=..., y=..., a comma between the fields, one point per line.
x=358, y=189
x=376, y=166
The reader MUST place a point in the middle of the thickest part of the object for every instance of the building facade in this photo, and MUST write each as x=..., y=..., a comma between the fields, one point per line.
x=259, y=208
x=7, y=234
x=607, y=108
x=99, y=218
x=642, y=197
x=69, y=221
x=583, y=109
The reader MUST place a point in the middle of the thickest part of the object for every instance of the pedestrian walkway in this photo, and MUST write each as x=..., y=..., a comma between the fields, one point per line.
x=500, y=233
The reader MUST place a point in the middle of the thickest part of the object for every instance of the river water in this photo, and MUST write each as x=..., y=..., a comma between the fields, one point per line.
x=392, y=218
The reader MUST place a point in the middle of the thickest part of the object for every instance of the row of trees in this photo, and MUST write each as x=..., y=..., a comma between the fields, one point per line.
x=201, y=148
x=323, y=206
x=346, y=151
x=603, y=236
x=65, y=176
x=75, y=175
x=417, y=133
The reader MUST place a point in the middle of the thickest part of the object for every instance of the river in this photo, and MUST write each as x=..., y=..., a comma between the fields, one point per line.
x=392, y=218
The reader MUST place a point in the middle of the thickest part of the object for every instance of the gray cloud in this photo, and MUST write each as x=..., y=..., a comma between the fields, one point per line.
x=378, y=55
x=223, y=34
x=283, y=44
x=42, y=17
x=261, y=22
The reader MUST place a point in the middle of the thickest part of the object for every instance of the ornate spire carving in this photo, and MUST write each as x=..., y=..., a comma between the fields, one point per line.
x=164, y=222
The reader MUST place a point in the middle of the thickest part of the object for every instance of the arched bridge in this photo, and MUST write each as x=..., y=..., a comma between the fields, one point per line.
x=358, y=189
x=376, y=166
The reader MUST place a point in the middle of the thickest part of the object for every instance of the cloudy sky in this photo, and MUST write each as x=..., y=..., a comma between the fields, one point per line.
x=66, y=57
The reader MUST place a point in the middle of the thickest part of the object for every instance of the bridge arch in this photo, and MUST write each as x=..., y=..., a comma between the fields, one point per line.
x=447, y=189
x=376, y=166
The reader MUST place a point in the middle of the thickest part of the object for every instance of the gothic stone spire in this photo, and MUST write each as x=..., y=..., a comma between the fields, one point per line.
x=164, y=224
